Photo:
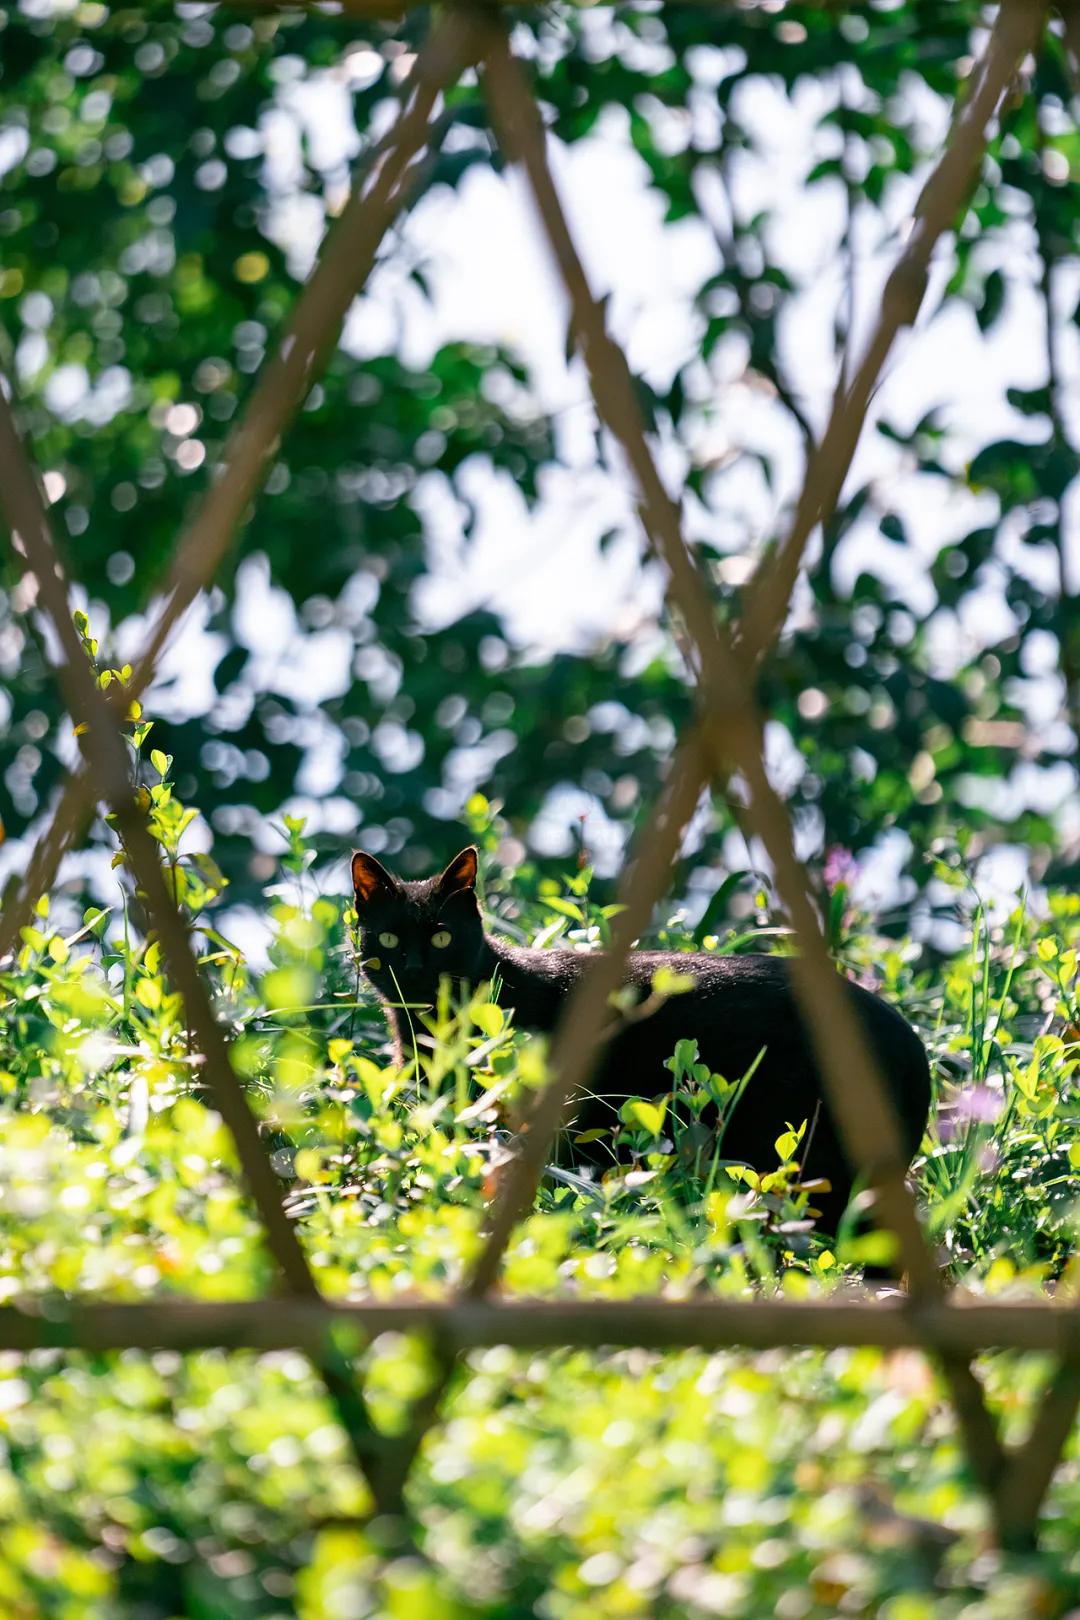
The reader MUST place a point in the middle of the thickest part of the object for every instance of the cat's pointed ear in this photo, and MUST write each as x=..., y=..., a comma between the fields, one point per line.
x=461, y=873
x=369, y=878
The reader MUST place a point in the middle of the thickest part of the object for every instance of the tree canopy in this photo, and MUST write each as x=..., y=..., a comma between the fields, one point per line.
x=143, y=277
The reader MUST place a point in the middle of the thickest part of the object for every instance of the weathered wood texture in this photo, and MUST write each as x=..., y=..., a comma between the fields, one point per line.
x=725, y=738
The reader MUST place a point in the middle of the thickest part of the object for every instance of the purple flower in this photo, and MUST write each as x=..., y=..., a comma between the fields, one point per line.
x=979, y=1104
x=840, y=866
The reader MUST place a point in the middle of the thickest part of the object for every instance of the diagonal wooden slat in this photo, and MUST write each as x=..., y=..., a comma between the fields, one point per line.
x=65, y=830
x=339, y=273
x=106, y=755
x=578, y=1038
x=655, y=850
x=1018, y=31
x=344, y=263
x=24, y=508
x=860, y=1105
x=868, y=1121
x=732, y=732
x=1034, y=1461
x=826, y=1014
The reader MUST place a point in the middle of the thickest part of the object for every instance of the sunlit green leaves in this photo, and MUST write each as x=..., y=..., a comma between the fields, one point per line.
x=117, y=1179
x=561, y=1484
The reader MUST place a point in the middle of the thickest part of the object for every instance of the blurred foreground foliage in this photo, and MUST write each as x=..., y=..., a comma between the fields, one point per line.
x=561, y=1484
x=149, y=250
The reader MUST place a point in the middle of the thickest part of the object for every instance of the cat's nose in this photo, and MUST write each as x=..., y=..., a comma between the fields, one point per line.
x=412, y=961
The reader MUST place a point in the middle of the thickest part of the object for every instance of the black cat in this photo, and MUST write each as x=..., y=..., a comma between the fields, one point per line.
x=414, y=933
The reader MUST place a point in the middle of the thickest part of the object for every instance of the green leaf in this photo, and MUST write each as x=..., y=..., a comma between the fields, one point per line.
x=717, y=908
x=149, y=993
x=648, y=1116
x=668, y=981
x=786, y=1144
x=488, y=1017
x=565, y=908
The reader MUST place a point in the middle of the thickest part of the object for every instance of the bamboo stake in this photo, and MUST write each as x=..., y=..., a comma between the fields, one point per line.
x=891, y=1322
x=1017, y=32
x=106, y=757
x=727, y=735
x=862, y=1107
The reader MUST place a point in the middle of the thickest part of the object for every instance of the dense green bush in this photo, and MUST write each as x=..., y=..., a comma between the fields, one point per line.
x=800, y=1483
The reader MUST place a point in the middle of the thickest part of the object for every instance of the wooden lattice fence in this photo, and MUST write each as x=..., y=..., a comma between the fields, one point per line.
x=724, y=738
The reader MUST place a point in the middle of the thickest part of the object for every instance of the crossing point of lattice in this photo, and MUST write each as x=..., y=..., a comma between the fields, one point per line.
x=724, y=739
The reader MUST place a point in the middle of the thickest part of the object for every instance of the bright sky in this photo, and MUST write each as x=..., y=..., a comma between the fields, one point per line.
x=492, y=281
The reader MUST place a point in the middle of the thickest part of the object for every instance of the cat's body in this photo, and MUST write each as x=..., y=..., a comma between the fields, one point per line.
x=738, y=1005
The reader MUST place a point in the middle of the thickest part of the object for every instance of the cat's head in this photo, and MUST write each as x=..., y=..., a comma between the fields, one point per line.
x=412, y=934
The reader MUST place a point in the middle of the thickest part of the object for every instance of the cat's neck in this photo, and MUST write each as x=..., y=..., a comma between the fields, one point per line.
x=534, y=983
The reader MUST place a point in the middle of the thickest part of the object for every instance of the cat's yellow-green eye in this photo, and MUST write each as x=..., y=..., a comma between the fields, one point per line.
x=442, y=939
x=389, y=940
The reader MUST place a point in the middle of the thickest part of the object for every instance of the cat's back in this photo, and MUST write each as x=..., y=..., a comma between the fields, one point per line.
x=753, y=999
x=753, y=980
x=719, y=974
x=730, y=978
x=736, y=1006
x=752, y=993
x=757, y=982
x=744, y=1014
